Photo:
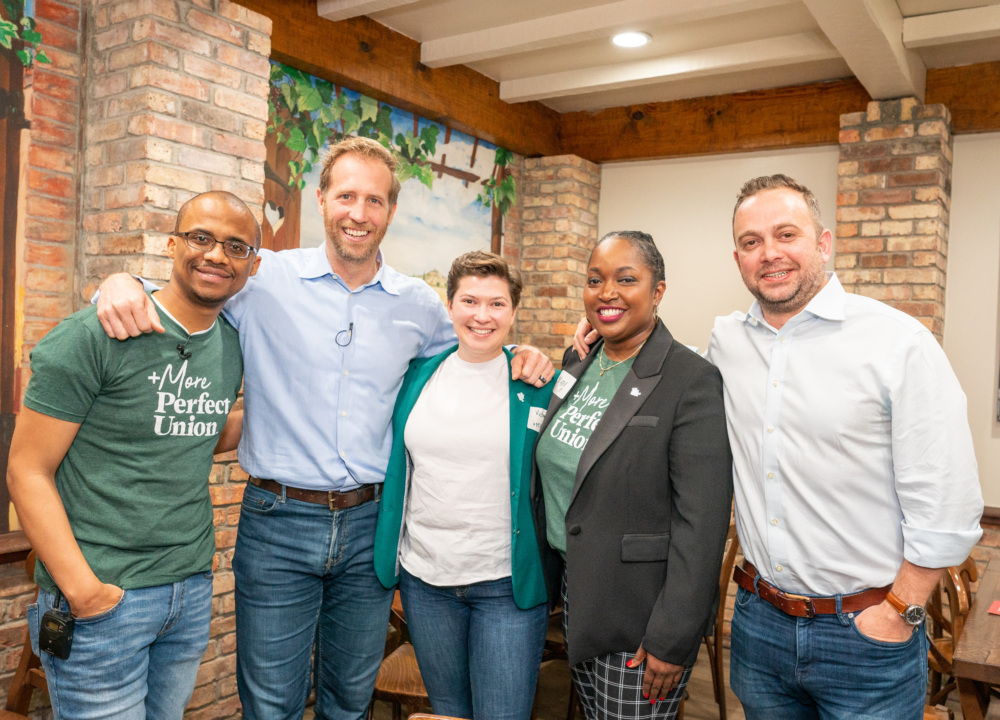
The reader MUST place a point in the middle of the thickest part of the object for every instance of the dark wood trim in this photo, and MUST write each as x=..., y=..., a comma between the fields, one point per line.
x=969, y=92
x=14, y=547
x=370, y=58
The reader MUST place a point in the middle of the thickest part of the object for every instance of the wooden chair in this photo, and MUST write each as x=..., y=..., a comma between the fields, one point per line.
x=29, y=676
x=939, y=712
x=399, y=681
x=947, y=626
x=714, y=643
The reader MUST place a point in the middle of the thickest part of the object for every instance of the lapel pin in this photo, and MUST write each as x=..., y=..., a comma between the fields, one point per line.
x=635, y=392
x=520, y=396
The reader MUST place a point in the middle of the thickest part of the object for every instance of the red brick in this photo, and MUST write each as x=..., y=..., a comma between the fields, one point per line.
x=56, y=85
x=915, y=178
x=32, y=332
x=169, y=80
x=109, y=85
x=889, y=132
x=40, y=206
x=63, y=186
x=848, y=245
x=211, y=116
x=44, y=130
x=136, y=102
x=207, y=161
x=104, y=176
x=213, y=71
x=50, y=230
x=45, y=280
x=168, y=129
x=886, y=197
x=215, y=26
x=129, y=9
x=66, y=62
x=58, y=13
x=257, y=87
x=122, y=244
x=54, y=256
x=231, y=145
x=243, y=16
x=174, y=37
x=252, y=193
x=260, y=44
x=114, y=37
x=104, y=131
x=241, y=103
x=250, y=62
x=45, y=106
x=227, y=494
x=55, y=35
x=254, y=129
x=143, y=52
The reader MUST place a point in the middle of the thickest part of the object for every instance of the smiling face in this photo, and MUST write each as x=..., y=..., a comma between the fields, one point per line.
x=356, y=211
x=208, y=278
x=620, y=297
x=778, y=252
x=482, y=313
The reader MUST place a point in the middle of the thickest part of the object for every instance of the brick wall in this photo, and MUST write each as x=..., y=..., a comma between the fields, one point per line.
x=175, y=103
x=552, y=234
x=893, y=200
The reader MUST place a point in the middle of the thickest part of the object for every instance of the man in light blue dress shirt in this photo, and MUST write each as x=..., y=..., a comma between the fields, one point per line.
x=855, y=476
x=327, y=335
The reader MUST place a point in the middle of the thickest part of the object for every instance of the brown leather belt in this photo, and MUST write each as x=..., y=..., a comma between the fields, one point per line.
x=802, y=605
x=333, y=499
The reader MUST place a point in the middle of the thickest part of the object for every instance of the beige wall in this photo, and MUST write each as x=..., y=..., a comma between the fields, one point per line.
x=971, y=304
x=687, y=204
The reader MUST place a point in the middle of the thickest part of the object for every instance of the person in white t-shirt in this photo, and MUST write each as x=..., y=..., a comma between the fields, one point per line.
x=455, y=528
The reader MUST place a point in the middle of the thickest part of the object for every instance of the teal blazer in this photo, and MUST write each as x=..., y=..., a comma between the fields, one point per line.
x=526, y=574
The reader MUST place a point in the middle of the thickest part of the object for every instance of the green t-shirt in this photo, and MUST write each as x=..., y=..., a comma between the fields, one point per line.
x=135, y=479
x=559, y=449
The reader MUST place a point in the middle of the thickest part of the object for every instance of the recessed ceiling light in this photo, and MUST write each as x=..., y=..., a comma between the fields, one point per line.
x=631, y=39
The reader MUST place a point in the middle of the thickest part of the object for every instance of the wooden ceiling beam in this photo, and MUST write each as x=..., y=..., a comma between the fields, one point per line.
x=795, y=116
x=965, y=91
x=365, y=56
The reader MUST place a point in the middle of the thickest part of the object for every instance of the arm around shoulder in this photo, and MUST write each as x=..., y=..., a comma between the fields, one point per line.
x=124, y=308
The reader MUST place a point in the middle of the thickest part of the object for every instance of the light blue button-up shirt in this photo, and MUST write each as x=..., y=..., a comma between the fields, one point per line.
x=317, y=411
x=851, y=444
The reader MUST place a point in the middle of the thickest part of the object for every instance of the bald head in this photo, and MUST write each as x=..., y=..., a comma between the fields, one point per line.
x=227, y=201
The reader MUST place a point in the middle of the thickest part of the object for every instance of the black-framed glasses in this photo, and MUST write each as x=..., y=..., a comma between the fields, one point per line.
x=203, y=242
x=343, y=338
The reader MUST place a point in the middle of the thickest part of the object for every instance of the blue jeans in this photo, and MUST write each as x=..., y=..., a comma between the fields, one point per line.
x=801, y=669
x=136, y=661
x=478, y=652
x=305, y=576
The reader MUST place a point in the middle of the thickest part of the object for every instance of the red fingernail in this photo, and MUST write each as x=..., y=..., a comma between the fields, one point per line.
x=646, y=695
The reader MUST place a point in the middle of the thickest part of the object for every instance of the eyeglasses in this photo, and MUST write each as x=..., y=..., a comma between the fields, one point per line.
x=205, y=242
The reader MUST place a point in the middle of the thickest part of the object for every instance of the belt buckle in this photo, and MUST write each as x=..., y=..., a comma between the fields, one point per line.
x=330, y=496
x=810, y=608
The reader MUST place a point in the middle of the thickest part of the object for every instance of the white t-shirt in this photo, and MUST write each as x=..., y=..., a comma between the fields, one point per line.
x=457, y=521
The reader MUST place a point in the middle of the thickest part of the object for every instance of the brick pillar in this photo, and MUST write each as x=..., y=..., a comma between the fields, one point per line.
x=176, y=104
x=893, y=202
x=50, y=174
x=556, y=214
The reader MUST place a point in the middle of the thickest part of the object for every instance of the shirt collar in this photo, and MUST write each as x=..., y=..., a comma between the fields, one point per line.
x=828, y=303
x=318, y=264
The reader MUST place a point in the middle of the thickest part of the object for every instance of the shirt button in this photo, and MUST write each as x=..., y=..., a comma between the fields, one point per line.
x=783, y=339
x=770, y=476
x=342, y=456
x=774, y=521
x=775, y=383
x=512, y=494
x=343, y=413
x=346, y=372
x=779, y=568
x=771, y=430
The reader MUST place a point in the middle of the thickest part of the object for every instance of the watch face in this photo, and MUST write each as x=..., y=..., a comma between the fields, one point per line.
x=914, y=614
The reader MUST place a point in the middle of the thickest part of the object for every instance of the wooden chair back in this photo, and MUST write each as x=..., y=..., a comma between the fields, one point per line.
x=29, y=676
x=947, y=625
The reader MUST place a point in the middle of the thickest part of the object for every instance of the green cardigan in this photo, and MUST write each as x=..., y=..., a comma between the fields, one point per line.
x=527, y=578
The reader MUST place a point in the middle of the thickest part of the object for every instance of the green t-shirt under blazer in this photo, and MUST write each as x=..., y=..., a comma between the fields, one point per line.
x=135, y=479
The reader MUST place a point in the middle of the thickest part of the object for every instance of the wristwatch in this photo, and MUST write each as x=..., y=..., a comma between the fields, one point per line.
x=912, y=614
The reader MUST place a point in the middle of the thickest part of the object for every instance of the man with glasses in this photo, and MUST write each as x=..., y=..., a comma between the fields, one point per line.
x=327, y=335
x=109, y=469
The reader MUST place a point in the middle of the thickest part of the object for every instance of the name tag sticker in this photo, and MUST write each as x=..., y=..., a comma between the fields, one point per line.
x=563, y=384
x=995, y=608
x=535, y=418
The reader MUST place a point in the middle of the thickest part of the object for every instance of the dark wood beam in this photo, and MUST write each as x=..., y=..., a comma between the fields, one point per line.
x=786, y=117
x=970, y=93
x=365, y=56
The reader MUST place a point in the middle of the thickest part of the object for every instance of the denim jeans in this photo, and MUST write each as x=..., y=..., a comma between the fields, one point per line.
x=478, y=652
x=136, y=661
x=305, y=576
x=805, y=669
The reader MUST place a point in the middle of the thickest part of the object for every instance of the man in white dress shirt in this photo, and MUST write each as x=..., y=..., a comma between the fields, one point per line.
x=856, y=481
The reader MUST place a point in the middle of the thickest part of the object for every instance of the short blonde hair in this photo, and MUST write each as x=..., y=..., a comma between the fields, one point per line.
x=484, y=264
x=365, y=147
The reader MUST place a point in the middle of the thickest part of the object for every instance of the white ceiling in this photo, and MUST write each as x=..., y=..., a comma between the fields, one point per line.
x=559, y=52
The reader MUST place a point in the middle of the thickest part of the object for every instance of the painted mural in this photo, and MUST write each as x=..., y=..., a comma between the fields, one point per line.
x=449, y=179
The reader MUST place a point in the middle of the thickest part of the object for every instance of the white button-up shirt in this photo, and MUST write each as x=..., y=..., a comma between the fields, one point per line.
x=851, y=444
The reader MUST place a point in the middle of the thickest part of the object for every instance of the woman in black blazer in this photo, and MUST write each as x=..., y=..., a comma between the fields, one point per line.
x=632, y=490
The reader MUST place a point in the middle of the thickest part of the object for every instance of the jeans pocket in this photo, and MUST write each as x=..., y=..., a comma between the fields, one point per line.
x=743, y=598
x=257, y=500
x=885, y=644
x=32, y=619
x=107, y=614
